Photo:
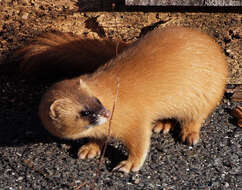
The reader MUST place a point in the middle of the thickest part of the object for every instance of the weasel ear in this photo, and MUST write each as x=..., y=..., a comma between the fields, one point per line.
x=84, y=86
x=59, y=107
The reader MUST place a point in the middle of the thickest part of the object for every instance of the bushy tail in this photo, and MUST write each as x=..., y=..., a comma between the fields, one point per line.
x=54, y=55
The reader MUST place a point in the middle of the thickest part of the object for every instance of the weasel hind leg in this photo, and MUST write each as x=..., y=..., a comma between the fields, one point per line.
x=164, y=126
x=190, y=131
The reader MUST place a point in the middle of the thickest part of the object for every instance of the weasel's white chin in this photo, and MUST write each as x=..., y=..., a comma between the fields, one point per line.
x=101, y=120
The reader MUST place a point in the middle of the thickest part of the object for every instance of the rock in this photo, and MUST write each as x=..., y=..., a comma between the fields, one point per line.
x=25, y=16
x=237, y=112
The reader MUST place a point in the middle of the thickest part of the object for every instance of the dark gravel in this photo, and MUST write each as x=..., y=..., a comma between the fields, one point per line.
x=32, y=159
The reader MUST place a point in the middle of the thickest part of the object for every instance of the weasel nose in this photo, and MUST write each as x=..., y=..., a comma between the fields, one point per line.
x=105, y=113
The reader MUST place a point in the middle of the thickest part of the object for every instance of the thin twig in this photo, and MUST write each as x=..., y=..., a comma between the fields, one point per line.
x=81, y=185
x=109, y=133
x=110, y=121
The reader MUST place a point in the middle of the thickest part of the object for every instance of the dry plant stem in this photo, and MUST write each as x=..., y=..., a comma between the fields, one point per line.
x=109, y=126
x=81, y=185
x=110, y=122
x=109, y=131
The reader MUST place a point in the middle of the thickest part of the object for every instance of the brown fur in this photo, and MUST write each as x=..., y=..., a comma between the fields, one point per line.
x=175, y=73
x=71, y=54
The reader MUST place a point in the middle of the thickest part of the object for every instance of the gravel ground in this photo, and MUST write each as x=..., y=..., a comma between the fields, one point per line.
x=32, y=159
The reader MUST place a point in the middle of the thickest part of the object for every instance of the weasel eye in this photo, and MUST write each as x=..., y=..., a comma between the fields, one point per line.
x=85, y=113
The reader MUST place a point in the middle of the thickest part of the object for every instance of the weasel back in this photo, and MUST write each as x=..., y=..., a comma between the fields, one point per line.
x=172, y=73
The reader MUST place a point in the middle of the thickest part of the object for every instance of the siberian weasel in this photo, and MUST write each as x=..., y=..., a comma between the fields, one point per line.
x=175, y=73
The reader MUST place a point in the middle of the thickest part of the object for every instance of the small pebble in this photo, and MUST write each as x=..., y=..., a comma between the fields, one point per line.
x=20, y=178
x=25, y=16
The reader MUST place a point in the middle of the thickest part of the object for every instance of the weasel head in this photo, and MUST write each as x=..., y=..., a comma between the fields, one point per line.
x=74, y=114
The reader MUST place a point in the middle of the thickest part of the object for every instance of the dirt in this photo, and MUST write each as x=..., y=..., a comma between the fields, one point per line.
x=24, y=19
x=30, y=158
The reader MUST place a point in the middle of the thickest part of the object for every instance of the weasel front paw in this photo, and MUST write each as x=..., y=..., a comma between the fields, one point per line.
x=127, y=166
x=89, y=150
